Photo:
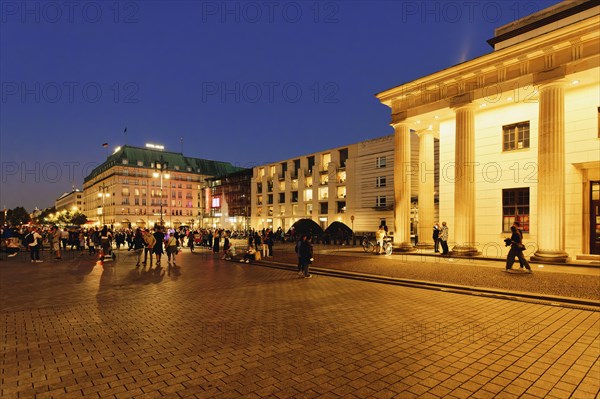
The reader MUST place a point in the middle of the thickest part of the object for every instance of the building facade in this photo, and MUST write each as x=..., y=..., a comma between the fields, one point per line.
x=519, y=139
x=227, y=201
x=313, y=186
x=72, y=201
x=353, y=184
x=141, y=187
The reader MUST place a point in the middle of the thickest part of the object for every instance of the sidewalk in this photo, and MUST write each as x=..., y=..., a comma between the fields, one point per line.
x=546, y=281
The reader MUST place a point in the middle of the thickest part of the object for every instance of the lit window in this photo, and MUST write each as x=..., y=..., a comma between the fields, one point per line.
x=515, y=137
x=325, y=160
x=308, y=194
x=323, y=193
x=515, y=208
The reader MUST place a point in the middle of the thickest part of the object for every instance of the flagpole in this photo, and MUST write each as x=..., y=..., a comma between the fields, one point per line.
x=125, y=131
x=181, y=140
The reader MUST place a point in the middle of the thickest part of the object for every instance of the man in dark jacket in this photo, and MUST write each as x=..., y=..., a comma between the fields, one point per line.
x=305, y=255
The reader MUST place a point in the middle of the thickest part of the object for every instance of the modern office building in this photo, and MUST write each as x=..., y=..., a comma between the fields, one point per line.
x=227, y=201
x=353, y=184
x=139, y=187
x=519, y=139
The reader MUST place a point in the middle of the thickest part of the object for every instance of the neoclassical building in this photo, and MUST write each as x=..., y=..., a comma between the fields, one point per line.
x=137, y=187
x=519, y=139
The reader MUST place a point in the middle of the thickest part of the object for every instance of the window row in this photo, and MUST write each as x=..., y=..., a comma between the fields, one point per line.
x=325, y=160
x=340, y=207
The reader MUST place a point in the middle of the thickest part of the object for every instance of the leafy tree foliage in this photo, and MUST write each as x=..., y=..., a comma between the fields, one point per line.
x=18, y=216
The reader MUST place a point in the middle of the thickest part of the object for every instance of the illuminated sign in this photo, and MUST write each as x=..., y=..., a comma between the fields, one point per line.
x=216, y=202
x=155, y=146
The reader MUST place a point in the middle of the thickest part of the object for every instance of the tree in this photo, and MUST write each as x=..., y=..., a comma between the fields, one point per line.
x=18, y=216
x=78, y=219
x=45, y=214
x=64, y=218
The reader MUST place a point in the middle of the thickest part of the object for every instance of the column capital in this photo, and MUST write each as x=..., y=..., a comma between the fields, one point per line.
x=560, y=83
x=426, y=131
x=402, y=123
x=465, y=107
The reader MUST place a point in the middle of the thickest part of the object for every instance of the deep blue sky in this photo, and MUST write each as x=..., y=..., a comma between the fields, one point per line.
x=74, y=76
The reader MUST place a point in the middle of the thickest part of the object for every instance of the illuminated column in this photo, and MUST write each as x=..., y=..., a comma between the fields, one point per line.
x=426, y=189
x=551, y=174
x=402, y=180
x=464, y=183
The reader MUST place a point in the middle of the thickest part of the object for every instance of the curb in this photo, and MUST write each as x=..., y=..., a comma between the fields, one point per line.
x=550, y=300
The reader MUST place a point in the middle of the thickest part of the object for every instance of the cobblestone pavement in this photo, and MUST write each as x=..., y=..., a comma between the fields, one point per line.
x=572, y=281
x=217, y=329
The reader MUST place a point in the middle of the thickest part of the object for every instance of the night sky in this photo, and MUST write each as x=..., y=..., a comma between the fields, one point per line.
x=245, y=82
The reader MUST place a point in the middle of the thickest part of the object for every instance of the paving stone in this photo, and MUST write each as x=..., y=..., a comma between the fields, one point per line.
x=224, y=330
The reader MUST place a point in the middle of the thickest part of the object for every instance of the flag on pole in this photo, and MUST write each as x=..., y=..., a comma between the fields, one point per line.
x=125, y=131
x=105, y=145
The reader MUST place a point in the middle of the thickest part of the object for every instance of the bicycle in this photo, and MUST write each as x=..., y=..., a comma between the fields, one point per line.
x=370, y=246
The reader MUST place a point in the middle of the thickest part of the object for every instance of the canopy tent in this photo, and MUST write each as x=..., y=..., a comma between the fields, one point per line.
x=338, y=230
x=306, y=226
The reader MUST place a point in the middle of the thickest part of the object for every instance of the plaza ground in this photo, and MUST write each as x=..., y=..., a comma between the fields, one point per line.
x=211, y=328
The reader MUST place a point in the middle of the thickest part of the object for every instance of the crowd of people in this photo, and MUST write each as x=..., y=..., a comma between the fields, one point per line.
x=149, y=244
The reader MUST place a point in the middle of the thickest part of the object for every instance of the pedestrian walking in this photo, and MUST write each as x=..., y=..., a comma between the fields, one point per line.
x=270, y=239
x=444, y=239
x=306, y=255
x=516, y=249
x=159, y=238
x=64, y=238
x=171, y=249
x=265, y=245
x=105, y=242
x=149, y=242
x=216, y=242
x=34, y=240
x=138, y=245
x=226, y=247
x=518, y=227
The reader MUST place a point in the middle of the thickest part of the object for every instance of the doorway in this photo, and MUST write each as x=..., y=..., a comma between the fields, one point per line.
x=595, y=217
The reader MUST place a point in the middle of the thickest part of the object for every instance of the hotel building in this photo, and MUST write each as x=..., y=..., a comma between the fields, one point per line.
x=137, y=187
x=519, y=139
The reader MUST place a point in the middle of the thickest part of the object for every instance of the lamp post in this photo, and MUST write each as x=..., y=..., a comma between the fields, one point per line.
x=161, y=171
x=103, y=194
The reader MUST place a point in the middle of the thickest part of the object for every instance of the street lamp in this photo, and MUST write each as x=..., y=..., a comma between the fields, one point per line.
x=161, y=171
x=102, y=194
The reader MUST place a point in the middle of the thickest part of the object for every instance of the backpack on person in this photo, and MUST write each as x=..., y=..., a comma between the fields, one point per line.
x=28, y=239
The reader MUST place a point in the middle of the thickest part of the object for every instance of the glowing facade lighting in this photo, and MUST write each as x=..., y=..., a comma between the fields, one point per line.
x=155, y=146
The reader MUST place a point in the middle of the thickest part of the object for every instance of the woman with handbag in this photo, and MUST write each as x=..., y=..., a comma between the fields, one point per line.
x=516, y=249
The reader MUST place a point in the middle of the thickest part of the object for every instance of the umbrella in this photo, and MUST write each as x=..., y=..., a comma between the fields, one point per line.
x=306, y=226
x=338, y=230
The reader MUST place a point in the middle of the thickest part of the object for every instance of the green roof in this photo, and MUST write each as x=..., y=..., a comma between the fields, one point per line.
x=146, y=157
